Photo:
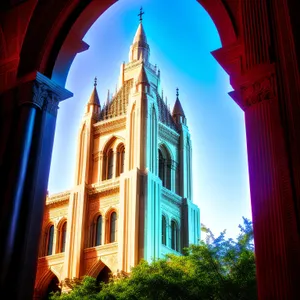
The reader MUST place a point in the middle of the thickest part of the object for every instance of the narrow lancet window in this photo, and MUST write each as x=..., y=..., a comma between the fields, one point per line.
x=50, y=240
x=164, y=230
x=110, y=164
x=113, y=227
x=63, y=237
x=174, y=236
x=98, y=231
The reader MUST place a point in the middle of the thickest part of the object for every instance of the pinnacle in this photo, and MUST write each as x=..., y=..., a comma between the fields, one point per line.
x=178, y=110
x=94, y=99
x=143, y=76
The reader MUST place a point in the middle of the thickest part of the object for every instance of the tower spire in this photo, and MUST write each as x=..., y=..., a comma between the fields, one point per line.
x=139, y=48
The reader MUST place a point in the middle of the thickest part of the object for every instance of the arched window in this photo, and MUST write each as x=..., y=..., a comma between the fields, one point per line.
x=164, y=167
x=63, y=236
x=120, y=160
x=110, y=164
x=50, y=240
x=98, y=238
x=164, y=230
x=113, y=228
x=161, y=168
x=174, y=236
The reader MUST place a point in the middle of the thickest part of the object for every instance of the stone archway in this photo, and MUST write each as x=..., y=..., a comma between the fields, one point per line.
x=256, y=38
x=47, y=284
x=100, y=271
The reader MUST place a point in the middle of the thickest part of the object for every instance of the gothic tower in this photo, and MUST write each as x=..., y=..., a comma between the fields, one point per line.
x=132, y=195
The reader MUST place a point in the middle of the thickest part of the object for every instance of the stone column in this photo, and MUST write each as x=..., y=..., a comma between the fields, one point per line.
x=277, y=248
x=27, y=164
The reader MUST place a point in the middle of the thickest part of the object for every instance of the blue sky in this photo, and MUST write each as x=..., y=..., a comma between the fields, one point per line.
x=181, y=36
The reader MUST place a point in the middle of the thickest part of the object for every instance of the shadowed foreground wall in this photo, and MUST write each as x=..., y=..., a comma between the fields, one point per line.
x=260, y=52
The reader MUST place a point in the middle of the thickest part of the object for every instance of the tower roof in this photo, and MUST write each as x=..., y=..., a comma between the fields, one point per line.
x=178, y=110
x=143, y=76
x=94, y=99
x=140, y=35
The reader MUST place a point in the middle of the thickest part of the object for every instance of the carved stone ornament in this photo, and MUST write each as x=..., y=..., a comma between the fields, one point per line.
x=40, y=94
x=39, y=91
x=261, y=90
x=51, y=103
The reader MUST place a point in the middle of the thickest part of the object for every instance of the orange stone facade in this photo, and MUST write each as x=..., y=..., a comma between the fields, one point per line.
x=132, y=197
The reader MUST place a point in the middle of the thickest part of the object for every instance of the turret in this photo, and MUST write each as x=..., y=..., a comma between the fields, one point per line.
x=93, y=105
x=178, y=113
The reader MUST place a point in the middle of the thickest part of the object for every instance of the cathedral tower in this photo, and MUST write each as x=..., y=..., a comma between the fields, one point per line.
x=132, y=195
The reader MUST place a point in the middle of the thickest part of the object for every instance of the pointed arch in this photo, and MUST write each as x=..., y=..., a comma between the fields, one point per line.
x=48, y=247
x=96, y=230
x=111, y=226
x=62, y=235
x=164, y=165
x=43, y=283
x=96, y=268
x=108, y=159
x=120, y=159
x=174, y=235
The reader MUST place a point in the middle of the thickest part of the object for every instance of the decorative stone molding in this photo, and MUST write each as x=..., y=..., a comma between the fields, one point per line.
x=106, y=187
x=51, y=104
x=58, y=199
x=40, y=94
x=263, y=89
x=51, y=260
x=108, y=126
x=45, y=94
x=171, y=197
x=172, y=211
x=105, y=249
x=168, y=134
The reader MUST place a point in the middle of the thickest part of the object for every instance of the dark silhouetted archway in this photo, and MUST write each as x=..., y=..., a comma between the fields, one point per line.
x=39, y=40
x=104, y=275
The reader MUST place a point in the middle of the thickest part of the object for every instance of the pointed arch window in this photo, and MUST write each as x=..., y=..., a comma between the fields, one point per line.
x=63, y=236
x=110, y=164
x=50, y=239
x=98, y=237
x=113, y=227
x=161, y=168
x=164, y=167
x=174, y=236
x=164, y=230
x=120, y=159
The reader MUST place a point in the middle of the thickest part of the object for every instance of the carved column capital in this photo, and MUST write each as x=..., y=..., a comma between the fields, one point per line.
x=264, y=89
x=255, y=87
x=51, y=103
x=38, y=90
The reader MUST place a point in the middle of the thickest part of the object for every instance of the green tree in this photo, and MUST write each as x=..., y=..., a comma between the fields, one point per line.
x=218, y=268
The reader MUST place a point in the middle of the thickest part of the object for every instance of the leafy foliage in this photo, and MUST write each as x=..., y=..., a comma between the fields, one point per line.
x=216, y=269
